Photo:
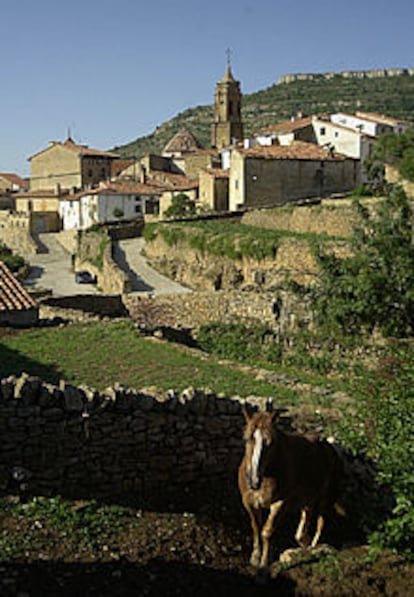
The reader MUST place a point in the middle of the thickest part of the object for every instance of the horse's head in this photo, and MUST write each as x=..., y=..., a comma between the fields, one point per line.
x=259, y=434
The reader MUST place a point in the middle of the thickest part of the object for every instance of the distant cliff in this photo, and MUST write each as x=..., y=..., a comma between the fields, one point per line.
x=349, y=74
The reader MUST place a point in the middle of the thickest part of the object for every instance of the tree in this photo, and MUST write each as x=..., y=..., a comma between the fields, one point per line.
x=181, y=205
x=392, y=149
x=375, y=286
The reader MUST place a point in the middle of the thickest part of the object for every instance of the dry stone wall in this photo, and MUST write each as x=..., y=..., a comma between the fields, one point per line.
x=330, y=217
x=111, y=279
x=15, y=232
x=117, y=444
x=282, y=311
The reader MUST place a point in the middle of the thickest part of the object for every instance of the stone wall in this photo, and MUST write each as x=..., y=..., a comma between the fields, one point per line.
x=330, y=217
x=282, y=311
x=15, y=232
x=293, y=261
x=110, y=278
x=117, y=444
x=101, y=305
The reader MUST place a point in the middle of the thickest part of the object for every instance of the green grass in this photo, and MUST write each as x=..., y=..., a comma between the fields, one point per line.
x=100, y=354
x=232, y=240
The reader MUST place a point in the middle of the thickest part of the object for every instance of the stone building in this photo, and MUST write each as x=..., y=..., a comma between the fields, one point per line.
x=227, y=127
x=269, y=176
x=69, y=166
x=214, y=189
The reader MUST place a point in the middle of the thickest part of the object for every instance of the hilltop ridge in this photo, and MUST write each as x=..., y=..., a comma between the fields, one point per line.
x=377, y=73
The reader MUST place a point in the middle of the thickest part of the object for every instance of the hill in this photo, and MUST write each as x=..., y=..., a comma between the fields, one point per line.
x=393, y=96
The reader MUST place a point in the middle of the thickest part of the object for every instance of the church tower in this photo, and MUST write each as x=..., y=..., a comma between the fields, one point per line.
x=227, y=127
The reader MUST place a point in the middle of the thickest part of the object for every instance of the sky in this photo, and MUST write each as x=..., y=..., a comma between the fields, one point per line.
x=110, y=71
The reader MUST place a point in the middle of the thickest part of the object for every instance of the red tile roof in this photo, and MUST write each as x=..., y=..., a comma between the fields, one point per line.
x=297, y=151
x=13, y=297
x=182, y=142
x=288, y=126
x=82, y=150
x=117, y=166
x=15, y=179
x=172, y=180
x=217, y=172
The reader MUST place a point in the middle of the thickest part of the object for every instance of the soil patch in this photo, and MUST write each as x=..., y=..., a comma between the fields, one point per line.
x=168, y=553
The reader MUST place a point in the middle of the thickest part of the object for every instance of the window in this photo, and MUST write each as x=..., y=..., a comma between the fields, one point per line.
x=322, y=130
x=138, y=208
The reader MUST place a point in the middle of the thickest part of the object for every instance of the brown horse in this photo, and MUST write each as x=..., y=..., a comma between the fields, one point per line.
x=283, y=471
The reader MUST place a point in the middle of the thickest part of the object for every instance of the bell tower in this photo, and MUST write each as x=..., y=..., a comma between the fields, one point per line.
x=227, y=127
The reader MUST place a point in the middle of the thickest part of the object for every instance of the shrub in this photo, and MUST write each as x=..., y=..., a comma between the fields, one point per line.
x=181, y=205
x=14, y=262
x=239, y=341
x=374, y=288
x=118, y=212
x=383, y=428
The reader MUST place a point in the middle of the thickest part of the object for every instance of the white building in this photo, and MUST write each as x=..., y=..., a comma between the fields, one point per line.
x=371, y=123
x=111, y=202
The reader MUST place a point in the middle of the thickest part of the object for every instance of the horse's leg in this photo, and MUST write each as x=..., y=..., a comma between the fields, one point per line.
x=267, y=533
x=256, y=523
x=319, y=526
x=302, y=532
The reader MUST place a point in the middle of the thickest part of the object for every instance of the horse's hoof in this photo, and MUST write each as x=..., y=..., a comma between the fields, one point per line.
x=255, y=559
x=262, y=575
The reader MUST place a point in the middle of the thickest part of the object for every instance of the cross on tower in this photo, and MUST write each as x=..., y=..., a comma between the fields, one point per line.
x=228, y=52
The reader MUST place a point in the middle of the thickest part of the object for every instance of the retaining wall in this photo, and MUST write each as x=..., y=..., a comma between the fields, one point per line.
x=280, y=310
x=117, y=444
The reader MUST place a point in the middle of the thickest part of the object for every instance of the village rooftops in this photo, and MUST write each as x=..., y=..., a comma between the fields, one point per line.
x=170, y=180
x=13, y=297
x=287, y=126
x=299, y=150
x=81, y=150
x=382, y=118
x=117, y=188
x=15, y=180
x=217, y=172
x=182, y=142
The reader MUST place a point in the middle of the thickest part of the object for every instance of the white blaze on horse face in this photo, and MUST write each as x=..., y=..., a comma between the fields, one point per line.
x=257, y=452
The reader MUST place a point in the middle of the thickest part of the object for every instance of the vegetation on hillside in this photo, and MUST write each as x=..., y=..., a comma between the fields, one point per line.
x=393, y=96
x=397, y=150
x=373, y=288
x=382, y=428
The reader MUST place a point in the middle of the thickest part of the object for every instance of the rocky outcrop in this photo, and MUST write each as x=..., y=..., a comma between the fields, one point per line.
x=378, y=73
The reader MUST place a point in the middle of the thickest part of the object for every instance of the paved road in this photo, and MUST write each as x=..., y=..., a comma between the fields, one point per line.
x=143, y=278
x=52, y=269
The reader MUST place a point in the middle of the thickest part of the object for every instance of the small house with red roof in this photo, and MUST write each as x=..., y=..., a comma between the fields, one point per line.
x=17, y=307
x=108, y=203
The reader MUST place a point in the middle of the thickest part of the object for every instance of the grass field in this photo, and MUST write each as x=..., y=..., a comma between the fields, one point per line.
x=98, y=355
